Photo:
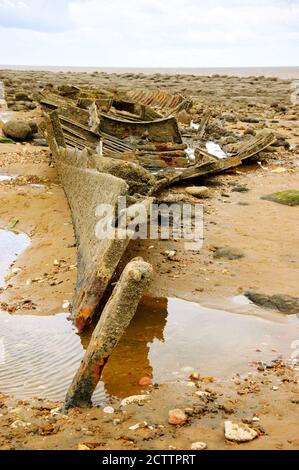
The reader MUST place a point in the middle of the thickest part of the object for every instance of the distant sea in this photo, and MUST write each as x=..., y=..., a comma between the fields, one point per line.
x=281, y=72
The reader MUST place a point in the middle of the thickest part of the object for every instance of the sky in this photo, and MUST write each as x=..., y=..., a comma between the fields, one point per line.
x=149, y=33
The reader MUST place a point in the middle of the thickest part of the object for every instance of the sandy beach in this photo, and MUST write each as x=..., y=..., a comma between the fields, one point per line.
x=195, y=310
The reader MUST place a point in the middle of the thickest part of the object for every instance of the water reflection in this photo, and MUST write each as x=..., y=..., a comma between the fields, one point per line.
x=166, y=339
x=11, y=246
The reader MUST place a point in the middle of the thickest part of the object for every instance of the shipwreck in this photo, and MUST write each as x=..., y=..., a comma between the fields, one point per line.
x=106, y=145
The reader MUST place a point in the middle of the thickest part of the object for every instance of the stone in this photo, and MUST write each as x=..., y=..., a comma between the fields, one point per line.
x=229, y=253
x=177, y=417
x=39, y=142
x=250, y=119
x=145, y=382
x=83, y=447
x=134, y=399
x=17, y=130
x=289, y=197
x=171, y=255
x=239, y=432
x=283, y=303
x=22, y=96
x=34, y=127
x=198, y=191
x=240, y=189
x=109, y=410
x=199, y=446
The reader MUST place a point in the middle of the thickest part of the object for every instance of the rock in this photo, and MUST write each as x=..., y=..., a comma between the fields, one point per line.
x=83, y=447
x=249, y=132
x=230, y=117
x=250, y=119
x=39, y=142
x=135, y=427
x=177, y=417
x=240, y=189
x=17, y=130
x=22, y=97
x=184, y=118
x=283, y=303
x=34, y=127
x=239, y=432
x=19, y=424
x=145, y=382
x=289, y=197
x=171, y=255
x=198, y=191
x=281, y=109
x=261, y=367
x=229, y=253
x=134, y=399
x=109, y=410
x=199, y=446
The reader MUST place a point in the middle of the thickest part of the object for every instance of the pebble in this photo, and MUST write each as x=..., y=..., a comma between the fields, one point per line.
x=199, y=446
x=145, y=381
x=83, y=447
x=109, y=410
x=171, y=255
x=198, y=191
x=20, y=424
x=195, y=376
x=135, y=427
x=177, y=417
x=134, y=399
x=239, y=432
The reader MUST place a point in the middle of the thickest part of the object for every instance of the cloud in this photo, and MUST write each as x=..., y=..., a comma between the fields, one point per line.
x=37, y=15
x=149, y=33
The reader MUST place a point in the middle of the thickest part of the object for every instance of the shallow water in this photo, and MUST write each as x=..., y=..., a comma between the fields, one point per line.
x=5, y=116
x=167, y=339
x=7, y=177
x=11, y=246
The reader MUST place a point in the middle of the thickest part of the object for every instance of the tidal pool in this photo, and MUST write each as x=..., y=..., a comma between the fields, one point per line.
x=167, y=339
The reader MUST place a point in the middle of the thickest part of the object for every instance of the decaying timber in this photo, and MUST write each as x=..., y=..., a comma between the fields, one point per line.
x=114, y=320
x=161, y=101
x=128, y=151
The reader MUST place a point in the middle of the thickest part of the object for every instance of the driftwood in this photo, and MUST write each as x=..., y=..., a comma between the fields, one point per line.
x=113, y=323
x=204, y=122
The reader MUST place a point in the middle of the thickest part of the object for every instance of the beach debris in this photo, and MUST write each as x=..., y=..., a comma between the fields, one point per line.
x=204, y=123
x=12, y=224
x=239, y=432
x=114, y=321
x=177, y=417
x=290, y=197
x=216, y=150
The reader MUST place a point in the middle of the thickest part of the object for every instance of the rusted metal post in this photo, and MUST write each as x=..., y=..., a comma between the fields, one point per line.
x=114, y=321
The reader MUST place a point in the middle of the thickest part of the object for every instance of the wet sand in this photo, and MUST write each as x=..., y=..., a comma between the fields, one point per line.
x=169, y=337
